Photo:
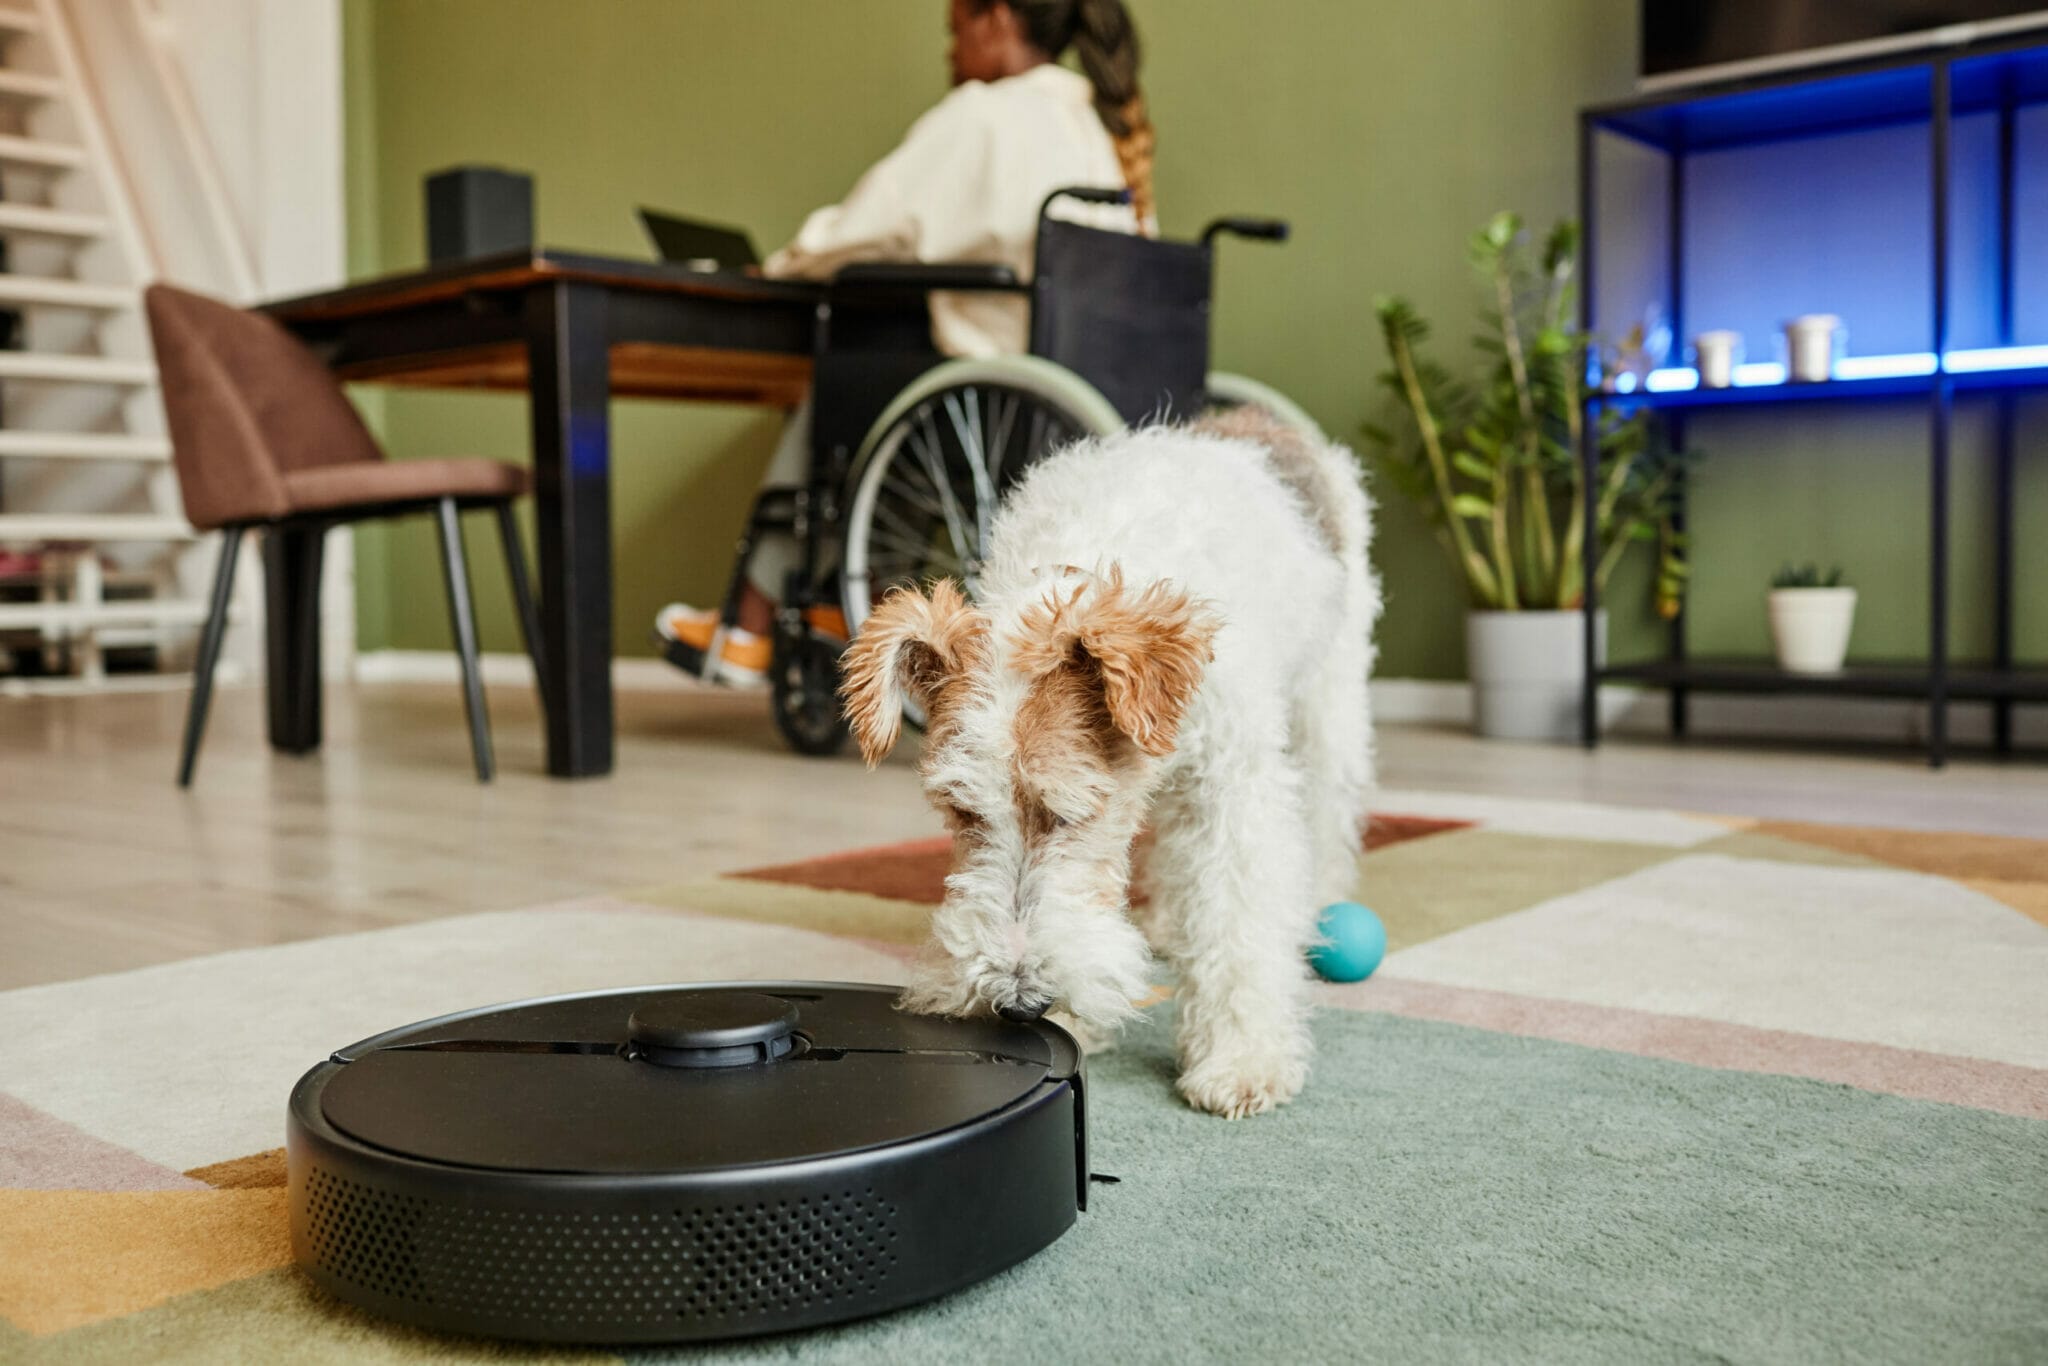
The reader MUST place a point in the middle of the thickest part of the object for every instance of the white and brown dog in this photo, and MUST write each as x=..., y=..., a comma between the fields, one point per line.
x=1206, y=674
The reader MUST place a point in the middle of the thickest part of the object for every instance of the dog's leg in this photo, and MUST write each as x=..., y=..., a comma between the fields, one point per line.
x=1332, y=732
x=1233, y=870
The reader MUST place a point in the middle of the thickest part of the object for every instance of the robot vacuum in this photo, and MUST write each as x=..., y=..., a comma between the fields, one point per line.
x=671, y=1163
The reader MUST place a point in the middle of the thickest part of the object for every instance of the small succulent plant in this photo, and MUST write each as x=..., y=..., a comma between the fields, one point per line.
x=1806, y=575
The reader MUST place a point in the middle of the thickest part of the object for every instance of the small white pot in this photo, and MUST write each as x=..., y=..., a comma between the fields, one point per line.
x=1810, y=627
x=1528, y=670
x=1813, y=344
x=1716, y=354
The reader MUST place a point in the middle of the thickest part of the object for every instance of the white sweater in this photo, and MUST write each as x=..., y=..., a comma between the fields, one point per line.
x=965, y=185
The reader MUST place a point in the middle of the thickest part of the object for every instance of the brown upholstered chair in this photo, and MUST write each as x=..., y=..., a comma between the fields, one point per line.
x=264, y=438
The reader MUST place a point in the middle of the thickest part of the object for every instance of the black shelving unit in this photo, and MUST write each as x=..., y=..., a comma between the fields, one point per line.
x=1933, y=88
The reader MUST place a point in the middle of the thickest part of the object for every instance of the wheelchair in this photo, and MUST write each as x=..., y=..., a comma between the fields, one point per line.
x=911, y=452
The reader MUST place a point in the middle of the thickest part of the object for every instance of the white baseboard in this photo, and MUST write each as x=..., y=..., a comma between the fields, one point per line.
x=509, y=670
x=1410, y=701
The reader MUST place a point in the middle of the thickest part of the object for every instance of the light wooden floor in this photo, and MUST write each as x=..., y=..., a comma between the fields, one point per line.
x=105, y=865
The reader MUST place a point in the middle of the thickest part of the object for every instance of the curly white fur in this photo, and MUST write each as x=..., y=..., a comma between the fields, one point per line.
x=1174, y=626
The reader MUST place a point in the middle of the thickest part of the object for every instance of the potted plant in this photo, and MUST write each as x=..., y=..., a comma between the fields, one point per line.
x=1811, y=616
x=1493, y=462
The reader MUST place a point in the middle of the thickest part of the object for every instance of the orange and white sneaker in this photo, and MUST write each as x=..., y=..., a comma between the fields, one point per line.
x=743, y=657
x=827, y=620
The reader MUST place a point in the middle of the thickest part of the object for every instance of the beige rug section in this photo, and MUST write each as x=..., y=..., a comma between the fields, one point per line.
x=217, y=1042
x=1872, y=954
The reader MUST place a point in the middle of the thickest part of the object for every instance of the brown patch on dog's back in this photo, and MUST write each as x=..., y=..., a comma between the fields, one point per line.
x=1289, y=455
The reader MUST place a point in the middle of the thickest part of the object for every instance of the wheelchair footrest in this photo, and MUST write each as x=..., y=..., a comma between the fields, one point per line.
x=688, y=658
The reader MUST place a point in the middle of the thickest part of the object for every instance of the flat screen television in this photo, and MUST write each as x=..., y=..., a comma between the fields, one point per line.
x=1691, y=40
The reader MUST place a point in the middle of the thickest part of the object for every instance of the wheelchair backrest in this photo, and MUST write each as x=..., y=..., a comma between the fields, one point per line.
x=1128, y=314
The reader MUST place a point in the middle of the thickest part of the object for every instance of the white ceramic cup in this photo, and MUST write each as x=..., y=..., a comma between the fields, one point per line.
x=1716, y=354
x=1810, y=345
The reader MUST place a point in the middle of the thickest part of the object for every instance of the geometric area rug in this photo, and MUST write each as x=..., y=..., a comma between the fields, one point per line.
x=1630, y=1086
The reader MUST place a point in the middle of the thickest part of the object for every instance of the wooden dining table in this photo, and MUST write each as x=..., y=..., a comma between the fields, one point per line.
x=571, y=331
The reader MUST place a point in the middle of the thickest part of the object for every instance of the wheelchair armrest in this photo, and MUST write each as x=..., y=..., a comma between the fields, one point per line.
x=895, y=278
x=1265, y=229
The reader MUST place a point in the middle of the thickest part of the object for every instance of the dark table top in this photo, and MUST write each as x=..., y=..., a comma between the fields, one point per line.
x=521, y=269
x=394, y=341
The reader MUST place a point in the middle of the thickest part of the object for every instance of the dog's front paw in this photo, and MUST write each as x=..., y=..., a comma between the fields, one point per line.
x=937, y=987
x=1236, y=1083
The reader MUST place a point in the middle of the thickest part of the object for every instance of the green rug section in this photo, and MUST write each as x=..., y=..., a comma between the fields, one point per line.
x=1442, y=1194
x=1439, y=1194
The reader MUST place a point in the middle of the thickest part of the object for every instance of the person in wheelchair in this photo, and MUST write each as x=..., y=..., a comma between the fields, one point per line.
x=967, y=184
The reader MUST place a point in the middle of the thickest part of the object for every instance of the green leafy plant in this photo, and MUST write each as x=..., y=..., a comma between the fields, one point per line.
x=1493, y=460
x=1806, y=575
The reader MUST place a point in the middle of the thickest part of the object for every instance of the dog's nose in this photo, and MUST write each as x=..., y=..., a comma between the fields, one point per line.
x=1019, y=1013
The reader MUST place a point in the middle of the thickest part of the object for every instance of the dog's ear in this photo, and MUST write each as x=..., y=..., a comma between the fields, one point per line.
x=1148, y=647
x=906, y=650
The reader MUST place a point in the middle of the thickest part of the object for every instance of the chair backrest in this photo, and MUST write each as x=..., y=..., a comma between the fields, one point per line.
x=1128, y=314
x=246, y=404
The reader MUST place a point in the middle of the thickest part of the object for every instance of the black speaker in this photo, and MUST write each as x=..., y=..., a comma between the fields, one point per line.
x=478, y=211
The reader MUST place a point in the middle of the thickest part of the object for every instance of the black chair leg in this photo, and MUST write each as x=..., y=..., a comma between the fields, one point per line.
x=522, y=598
x=462, y=608
x=209, y=653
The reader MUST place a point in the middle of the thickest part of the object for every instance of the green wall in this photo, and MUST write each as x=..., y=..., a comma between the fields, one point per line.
x=1384, y=129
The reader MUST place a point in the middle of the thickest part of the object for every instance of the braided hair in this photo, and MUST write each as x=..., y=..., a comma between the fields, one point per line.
x=1106, y=43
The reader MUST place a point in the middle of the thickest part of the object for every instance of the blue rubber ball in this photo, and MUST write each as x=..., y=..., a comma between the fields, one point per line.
x=1353, y=942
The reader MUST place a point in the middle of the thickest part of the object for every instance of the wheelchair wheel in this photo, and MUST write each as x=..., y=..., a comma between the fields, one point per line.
x=1236, y=391
x=804, y=692
x=928, y=477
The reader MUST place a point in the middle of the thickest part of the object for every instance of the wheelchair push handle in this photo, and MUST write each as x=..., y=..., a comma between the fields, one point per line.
x=1264, y=229
x=1086, y=194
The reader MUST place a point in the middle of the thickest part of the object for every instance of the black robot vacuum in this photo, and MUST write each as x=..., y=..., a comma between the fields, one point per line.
x=682, y=1162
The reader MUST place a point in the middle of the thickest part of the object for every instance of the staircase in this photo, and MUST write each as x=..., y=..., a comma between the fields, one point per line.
x=95, y=557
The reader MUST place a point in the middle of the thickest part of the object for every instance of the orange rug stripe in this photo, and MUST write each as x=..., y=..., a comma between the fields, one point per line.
x=2030, y=899
x=916, y=869
x=1998, y=858
x=77, y=1257
x=257, y=1171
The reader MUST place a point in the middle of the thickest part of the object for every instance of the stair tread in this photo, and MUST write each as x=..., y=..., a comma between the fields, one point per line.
x=32, y=84
x=17, y=528
x=42, y=289
x=41, y=151
x=87, y=445
x=143, y=610
x=56, y=222
x=85, y=369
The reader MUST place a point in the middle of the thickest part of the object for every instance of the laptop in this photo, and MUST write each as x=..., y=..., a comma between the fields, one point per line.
x=698, y=245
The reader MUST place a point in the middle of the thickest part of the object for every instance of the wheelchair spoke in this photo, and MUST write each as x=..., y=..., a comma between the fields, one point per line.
x=896, y=524
x=923, y=554
x=970, y=434
x=956, y=524
x=999, y=448
x=923, y=501
x=910, y=467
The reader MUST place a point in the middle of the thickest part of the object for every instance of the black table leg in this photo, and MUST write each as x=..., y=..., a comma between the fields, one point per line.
x=291, y=589
x=569, y=362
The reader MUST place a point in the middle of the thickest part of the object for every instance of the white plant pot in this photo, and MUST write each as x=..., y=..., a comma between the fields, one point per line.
x=1528, y=670
x=1810, y=627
